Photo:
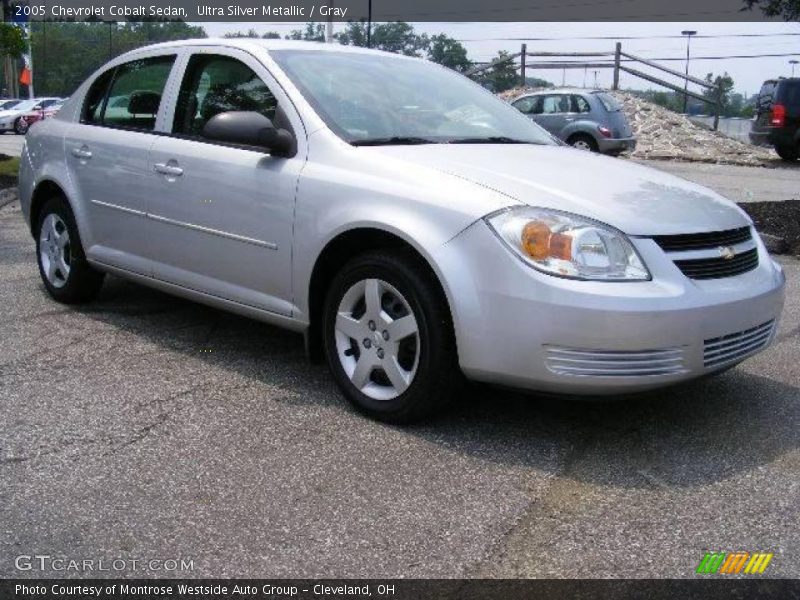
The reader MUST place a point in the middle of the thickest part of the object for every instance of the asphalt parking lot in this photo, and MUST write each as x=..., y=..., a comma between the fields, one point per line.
x=143, y=426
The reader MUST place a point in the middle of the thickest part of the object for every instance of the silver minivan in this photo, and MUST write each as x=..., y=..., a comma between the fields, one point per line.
x=412, y=226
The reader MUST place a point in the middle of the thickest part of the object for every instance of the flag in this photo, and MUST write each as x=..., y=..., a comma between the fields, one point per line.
x=25, y=76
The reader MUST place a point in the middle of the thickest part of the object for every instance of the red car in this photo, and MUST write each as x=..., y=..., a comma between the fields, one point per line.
x=45, y=112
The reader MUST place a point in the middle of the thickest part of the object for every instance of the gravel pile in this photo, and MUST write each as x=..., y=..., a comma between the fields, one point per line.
x=664, y=135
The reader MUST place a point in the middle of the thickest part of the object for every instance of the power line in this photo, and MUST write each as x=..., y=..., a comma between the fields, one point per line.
x=625, y=37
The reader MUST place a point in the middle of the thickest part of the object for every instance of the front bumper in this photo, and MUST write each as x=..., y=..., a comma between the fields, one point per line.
x=519, y=327
x=616, y=144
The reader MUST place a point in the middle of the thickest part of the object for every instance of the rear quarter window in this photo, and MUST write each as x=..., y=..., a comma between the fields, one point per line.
x=609, y=102
x=789, y=93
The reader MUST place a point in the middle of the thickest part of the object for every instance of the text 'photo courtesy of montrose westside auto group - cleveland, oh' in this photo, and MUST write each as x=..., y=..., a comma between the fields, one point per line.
x=412, y=300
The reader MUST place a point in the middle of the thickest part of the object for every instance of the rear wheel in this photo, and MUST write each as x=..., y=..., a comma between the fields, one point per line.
x=65, y=273
x=389, y=339
x=788, y=153
x=583, y=142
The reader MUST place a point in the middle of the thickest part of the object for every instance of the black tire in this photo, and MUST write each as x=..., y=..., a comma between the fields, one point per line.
x=83, y=282
x=437, y=373
x=21, y=126
x=582, y=138
x=788, y=153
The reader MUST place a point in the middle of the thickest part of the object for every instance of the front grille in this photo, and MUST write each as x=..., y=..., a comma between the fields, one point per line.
x=714, y=268
x=614, y=363
x=703, y=241
x=736, y=346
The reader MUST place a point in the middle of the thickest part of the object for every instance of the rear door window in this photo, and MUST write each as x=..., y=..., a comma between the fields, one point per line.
x=580, y=105
x=130, y=96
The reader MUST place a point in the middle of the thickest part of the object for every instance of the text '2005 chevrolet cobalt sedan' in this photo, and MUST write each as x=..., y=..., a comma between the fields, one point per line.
x=414, y=227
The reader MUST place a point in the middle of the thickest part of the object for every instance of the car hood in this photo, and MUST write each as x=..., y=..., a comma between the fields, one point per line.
x=635, y=199
x=10, y=113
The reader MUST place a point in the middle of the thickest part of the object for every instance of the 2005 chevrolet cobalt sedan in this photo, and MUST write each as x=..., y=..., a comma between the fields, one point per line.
x=414, y=227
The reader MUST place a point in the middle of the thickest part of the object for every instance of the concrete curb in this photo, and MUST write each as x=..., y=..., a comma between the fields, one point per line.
x=8, y=195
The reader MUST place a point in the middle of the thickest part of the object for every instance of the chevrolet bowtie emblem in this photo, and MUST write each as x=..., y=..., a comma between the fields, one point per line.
x=727, y=252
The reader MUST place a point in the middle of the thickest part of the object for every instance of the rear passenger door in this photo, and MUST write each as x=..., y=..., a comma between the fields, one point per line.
x=222, y=215
x=107, y=153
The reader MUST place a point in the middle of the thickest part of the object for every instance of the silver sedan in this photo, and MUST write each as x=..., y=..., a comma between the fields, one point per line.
x=413, y=227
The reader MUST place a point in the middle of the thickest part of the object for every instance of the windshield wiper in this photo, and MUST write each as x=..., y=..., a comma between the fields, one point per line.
x=495, y=139
x=396, y=140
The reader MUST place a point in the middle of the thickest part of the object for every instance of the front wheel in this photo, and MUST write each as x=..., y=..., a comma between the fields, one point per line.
x=65, y=273
x=389, y=339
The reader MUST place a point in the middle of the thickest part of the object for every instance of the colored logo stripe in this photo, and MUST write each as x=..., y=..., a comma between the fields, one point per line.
x=732, y=563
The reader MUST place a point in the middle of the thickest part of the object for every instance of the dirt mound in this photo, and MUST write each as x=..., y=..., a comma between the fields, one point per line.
x=665, y=135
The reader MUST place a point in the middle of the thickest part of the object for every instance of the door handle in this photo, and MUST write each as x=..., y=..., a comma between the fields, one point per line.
x=168, y=169
x=83, y=153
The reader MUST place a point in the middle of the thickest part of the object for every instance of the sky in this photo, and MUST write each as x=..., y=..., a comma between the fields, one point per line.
x=481, y=43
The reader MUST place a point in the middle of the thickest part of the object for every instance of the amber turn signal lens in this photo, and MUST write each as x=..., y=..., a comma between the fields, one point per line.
x=540, y=243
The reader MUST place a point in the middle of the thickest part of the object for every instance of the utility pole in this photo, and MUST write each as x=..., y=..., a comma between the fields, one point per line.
x=369, y=24
x=522, y=65
x=329, y=26
x=617, y=59
x=793, y=63
x=688, y=33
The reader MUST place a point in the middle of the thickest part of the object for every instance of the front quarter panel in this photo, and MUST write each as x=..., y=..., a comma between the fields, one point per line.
x=343, y=188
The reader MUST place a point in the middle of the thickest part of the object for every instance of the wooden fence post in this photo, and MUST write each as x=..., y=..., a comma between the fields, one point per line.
x=616, y=65
x=522, y=62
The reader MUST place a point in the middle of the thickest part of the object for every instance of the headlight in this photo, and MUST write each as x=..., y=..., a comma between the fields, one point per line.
x=568, y=245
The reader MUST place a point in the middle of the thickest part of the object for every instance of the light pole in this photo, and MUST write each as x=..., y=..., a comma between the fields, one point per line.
x=688, y=33
x=793, y=63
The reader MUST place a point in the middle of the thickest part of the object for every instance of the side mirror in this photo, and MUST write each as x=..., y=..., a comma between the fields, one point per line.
x=250, y=129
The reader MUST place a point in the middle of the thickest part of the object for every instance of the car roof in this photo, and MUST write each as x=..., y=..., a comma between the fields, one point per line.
x=564, y=90
x=264, y=44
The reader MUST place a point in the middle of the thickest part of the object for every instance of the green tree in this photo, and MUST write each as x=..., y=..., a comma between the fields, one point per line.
x=503, y=76
x=12, y=41
x=788, y=10
x=395, y=36
x=314, y=32
x=723, y=86
x=252, y=33
x=535, y=82
x=446, y=51
x=65, y=54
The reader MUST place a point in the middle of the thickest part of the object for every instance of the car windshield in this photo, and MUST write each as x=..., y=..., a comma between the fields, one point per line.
x=8, y=104
x=373, y=99
x=609, y=102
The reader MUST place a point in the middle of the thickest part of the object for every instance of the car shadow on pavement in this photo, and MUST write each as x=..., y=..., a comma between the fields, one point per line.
x=688, y=435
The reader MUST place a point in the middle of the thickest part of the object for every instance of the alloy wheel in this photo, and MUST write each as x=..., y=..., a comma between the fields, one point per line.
x=54, y=250
x=377, y=339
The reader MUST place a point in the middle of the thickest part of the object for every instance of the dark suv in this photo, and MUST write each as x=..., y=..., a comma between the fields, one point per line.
x=777, y=121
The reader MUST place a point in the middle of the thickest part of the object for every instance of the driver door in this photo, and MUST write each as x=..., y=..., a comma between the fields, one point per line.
x=222, y=215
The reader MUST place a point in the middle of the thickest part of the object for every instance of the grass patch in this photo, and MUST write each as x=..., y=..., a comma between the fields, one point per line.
x=9, y=167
